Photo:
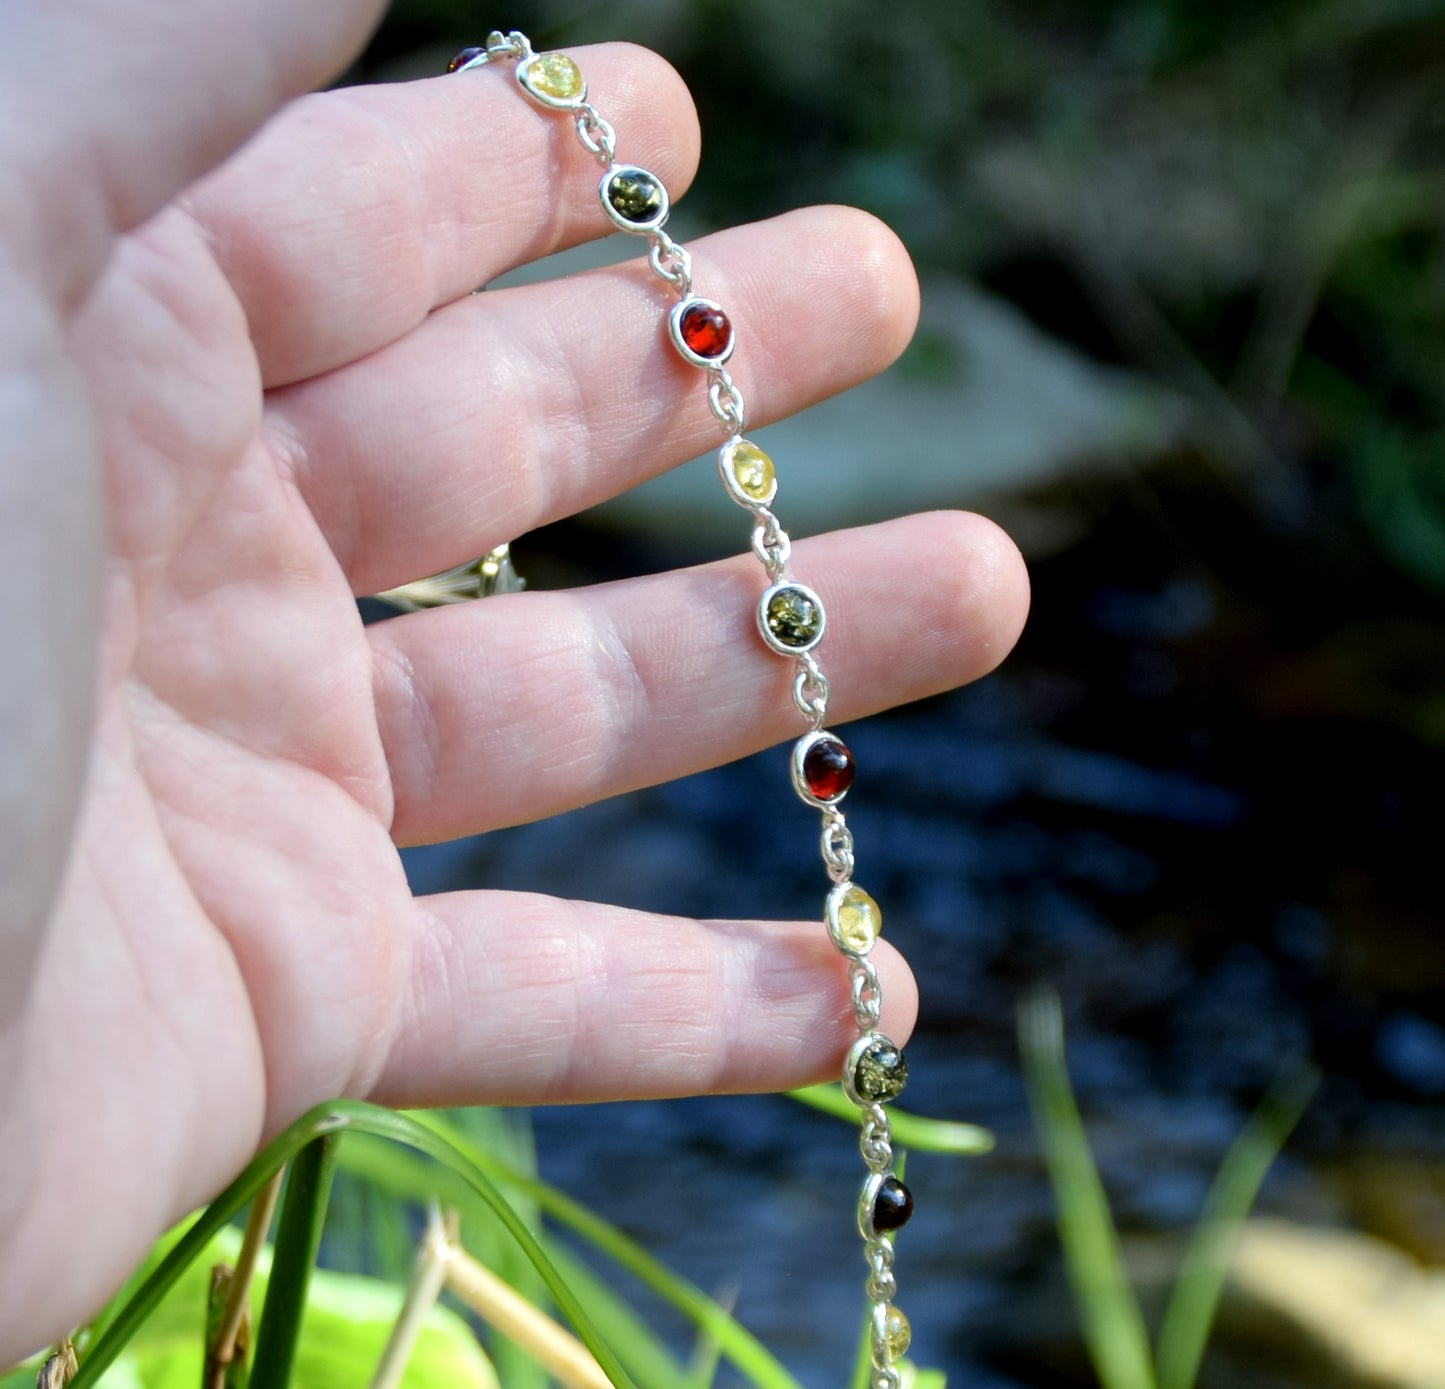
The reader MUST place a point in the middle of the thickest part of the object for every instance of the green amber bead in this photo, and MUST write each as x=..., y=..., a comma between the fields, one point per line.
x=880, y=1072
x=635, y=195
x=897, y=1334
x=794, y=617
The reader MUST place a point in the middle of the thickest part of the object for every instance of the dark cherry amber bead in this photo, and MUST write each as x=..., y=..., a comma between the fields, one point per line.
x=893, y=1205
x=828, y=769
x=705, y=330
x=463, y=58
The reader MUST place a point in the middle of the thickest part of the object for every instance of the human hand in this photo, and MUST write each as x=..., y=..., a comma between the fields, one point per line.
x=227, y=407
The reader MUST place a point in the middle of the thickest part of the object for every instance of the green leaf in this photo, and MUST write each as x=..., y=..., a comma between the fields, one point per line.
x=331, y=1118
x=348, y=1320
x=738, y=1344
x=1113, y=1325
x=298, y=1237
x=910, y=1130
x=1192, y=1305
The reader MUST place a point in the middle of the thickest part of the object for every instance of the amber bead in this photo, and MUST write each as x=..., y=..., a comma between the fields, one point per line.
x=794, y=618
x=828, y=769
x=752, y=472
x=463, y=58
x=635, y=196
x=881, y=1072
x=893, y=1205
x=554, y=76
x=854, y=920
x=705, y=330
x=897, y=1333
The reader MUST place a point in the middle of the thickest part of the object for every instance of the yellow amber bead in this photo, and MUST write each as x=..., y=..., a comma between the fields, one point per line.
x=897, y=1333
x=555, y=75
x=855, y=920
x=753, y=470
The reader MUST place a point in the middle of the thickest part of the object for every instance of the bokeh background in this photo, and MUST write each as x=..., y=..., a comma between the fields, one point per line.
x=1184, y=335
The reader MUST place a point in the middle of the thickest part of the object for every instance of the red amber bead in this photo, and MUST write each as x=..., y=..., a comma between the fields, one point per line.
x=828, y=769
x=705, y=330
x=462, y=59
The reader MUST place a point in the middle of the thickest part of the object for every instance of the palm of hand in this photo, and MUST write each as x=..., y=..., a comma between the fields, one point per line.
x=234, y=939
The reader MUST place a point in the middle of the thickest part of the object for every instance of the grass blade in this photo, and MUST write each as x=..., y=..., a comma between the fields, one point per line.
x=332, y=1118
x=738, y=1344
x=1113, y=1325
x=298, y=1237
x=1192, y=1305
x=909, y=1130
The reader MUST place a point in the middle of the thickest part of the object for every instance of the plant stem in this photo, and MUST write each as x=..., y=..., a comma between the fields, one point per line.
x=553, y=1347
x=422, y=1291
x=222, y=1348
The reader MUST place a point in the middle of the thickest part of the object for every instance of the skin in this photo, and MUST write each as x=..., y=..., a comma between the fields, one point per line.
x=241, y=382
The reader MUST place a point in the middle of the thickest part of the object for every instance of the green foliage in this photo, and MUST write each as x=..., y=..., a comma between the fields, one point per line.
x=1113, y=1325
x=348, y=1319
x=327, y=1330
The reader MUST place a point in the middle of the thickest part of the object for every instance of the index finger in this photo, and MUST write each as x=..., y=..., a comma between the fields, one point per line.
x=357, y=212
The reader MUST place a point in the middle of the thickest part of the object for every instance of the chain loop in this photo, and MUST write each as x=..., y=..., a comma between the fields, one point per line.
x=726, y=402
x=837, y=842
x=670, y=262
x=810, y=692
x=867, y=993
x=875, y=1139
x=597, y=135
x=771, y=544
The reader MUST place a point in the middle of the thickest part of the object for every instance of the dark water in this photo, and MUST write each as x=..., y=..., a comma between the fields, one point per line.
x=1201, y=802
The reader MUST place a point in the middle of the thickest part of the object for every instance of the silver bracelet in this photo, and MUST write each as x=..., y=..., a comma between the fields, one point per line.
x=791, y=621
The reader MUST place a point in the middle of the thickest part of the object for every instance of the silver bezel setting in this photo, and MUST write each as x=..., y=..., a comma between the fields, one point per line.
x=618, y=220
x=674, y=329
x=867, y=1199
x=850, y=1066
x=554, y=103
x=781, y=647
x=729, y=479
x=830, y=916
x=800, y=781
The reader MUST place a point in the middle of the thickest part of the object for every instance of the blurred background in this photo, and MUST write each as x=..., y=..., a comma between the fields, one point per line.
x=1184, y=336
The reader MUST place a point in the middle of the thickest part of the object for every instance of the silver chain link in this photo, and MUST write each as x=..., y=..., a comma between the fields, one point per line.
x=867, y=993
x=597, y=135
x=810, y=690
x=837, y=845
x=726, y=402
x=670, y=262
x=771, y=544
